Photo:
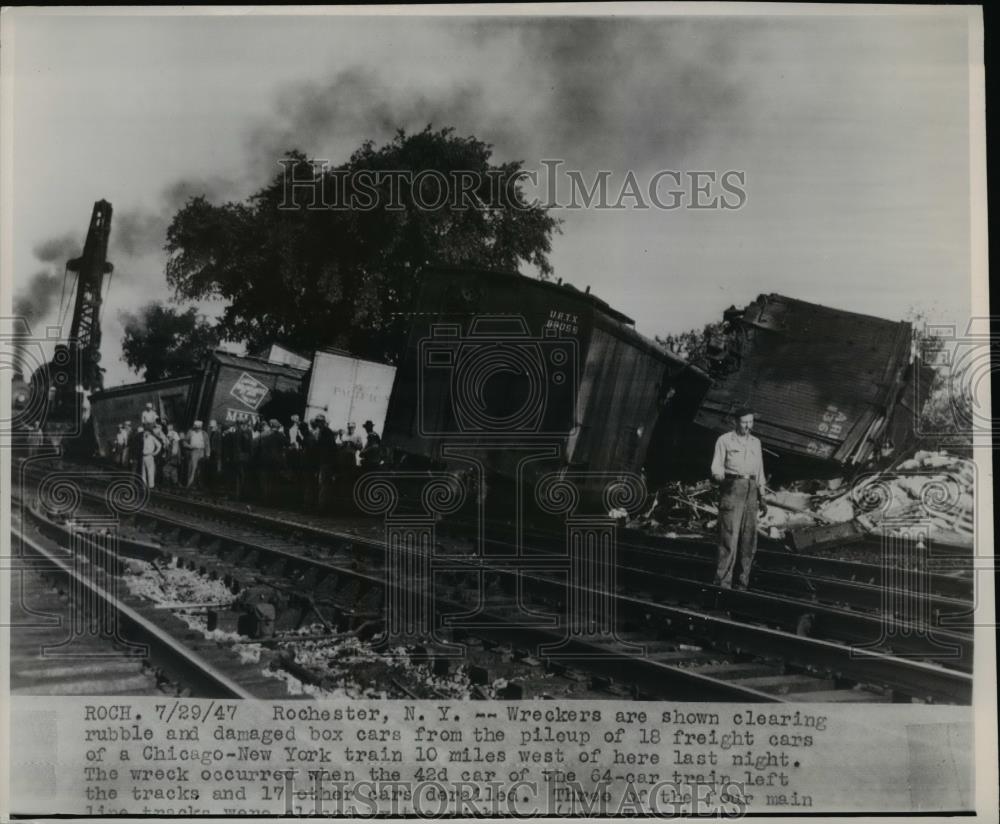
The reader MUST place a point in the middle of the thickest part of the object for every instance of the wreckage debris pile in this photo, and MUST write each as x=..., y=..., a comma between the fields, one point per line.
x=930, y=493
x=932, y=489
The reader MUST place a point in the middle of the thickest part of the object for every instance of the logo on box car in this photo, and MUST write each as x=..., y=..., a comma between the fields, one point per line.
x=240, y=415
x=249, y=391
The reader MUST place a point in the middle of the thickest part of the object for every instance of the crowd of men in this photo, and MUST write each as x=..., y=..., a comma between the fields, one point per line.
x=250, y=459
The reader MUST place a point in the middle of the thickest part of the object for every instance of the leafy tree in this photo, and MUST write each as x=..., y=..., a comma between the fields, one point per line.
x=162, y=342
x=947, y=404
x=337, y=263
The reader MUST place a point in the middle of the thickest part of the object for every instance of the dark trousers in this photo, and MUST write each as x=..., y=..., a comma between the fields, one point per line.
x=737, y=531
x=309, y=486
x=265, y=483
x=327, y=480
x=240, y=479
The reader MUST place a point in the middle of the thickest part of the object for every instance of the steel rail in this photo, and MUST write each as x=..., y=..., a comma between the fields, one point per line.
x=191, y=667
x=862, y=665
x=647, y=672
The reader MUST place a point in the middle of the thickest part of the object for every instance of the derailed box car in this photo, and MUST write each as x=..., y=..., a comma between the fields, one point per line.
x=525, y=377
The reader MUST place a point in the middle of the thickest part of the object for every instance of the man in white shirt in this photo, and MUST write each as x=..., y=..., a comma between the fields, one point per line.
x=121, y=445
x=195, y=447
x=295, y=436
x=354, y=442
x=148, y=414
x=124, y=437
x=172, y=463
x=151, y=447
x=738, y=466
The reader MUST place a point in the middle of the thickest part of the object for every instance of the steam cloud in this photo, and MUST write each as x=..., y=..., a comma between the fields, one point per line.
x=329, y=119
x=38, y=298
x=58, y=249
x=601, y=94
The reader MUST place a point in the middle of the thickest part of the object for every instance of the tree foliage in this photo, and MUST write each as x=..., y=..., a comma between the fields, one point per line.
x=298, y=270
x=948, y=407
x=163, y=342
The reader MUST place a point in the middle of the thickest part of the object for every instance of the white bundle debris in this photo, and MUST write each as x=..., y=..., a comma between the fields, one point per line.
x=173, y=585
x=933, y=490
x=932, y=493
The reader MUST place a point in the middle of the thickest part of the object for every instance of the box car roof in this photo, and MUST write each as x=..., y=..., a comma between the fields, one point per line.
x=257, y=364
x=607, y=317
x=562, y=288
x=140, y=386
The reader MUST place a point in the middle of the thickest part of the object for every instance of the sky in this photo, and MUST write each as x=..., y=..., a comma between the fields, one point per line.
x=851, y=131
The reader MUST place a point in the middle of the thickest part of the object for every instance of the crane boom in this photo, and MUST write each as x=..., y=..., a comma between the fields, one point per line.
x=91, y=267
x=74, y=371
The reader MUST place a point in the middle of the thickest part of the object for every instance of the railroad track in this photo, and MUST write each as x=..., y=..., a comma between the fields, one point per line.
x=952, y=578
x=216, y=554
x=956, y=584
x=943, y=599
x=947, y=599
x=736, y=659
x=71, y=635
x=843, y=609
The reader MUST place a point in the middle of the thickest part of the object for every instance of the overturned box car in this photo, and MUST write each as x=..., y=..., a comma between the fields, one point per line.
x=831, y=389
x=114, y=406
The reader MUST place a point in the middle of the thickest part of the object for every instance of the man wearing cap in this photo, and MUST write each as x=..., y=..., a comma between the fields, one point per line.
x=326, y=460
x=738, y=465
x=148, y=414
x=371, y=455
